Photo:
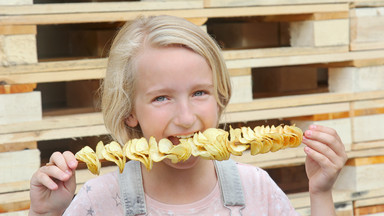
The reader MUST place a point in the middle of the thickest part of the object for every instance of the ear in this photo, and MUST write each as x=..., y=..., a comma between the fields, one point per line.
x=131, y=121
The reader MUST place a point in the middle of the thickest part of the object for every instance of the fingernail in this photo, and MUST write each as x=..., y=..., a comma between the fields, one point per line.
x=312, y=126
x=72, y=163
x=52, y=186
x=307, y=149
x=308, y=133
x=69, y=172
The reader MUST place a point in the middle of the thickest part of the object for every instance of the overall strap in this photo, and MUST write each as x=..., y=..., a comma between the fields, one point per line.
x=230, y=183
x=131, y=189
x=133, y=197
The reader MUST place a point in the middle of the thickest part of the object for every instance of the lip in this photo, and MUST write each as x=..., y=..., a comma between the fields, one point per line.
x=175, y=139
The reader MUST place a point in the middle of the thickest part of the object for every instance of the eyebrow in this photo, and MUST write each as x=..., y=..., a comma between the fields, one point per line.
x=166, y=90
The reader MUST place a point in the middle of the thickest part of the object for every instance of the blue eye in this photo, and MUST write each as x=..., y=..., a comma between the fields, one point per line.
x=199, y=93
x=160, y=99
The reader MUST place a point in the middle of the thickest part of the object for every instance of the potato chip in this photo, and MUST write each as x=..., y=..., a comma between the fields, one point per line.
x=113, y=152
x=212, y=144
x=99, y=149
x=88, y=156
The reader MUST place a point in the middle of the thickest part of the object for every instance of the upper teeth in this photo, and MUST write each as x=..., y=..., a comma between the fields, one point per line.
x=184, y=136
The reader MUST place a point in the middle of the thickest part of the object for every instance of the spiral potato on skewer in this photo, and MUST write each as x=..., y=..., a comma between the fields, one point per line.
x=212, y=144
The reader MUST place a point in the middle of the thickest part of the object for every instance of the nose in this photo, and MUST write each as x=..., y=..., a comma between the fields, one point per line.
x=185, y=116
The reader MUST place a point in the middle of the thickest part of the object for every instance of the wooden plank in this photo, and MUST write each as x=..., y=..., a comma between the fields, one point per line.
x=368, y=128
x=55, y=122
x=366, y=46
x=302, y=100
x=16, y=213
x=17, y=88
x=43, y=19
x=365, y=161
x=20, y=107
x=235, y=3
x=15, y=186
x=369, y=210
x=58, y=76
x=280, y=52
x=19, y=165
x=368, y=145
x=18, y=201
x=99, y=7
x=350, y=79
x=16, y=2
x=11, y=147
x=360, y=178
x=377, y=201
x=17, y=30
x=304, y=59
x=368, y=3
x=366, y=28
x=352, y=113
x=240, y=72
x=300, y=200
x=320, y=33
x=306, y=17
x=341, y=208
x=18, y=49
x=254, y=115
x=241, y=88
x=61, y=133
x=54, y=66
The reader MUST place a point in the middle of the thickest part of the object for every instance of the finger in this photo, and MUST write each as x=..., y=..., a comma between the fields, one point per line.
x=55, y=172
x=323, y=161
x=71, y=183
x=326, y=151
x=327, y=130
x=59, y=161
x=42, y=179
x=70, y=160
x=329, y=138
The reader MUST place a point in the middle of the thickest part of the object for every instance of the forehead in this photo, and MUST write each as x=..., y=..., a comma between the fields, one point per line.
x=162, y=65
x=169, y=57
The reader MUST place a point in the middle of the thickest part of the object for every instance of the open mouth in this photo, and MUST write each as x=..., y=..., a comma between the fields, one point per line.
x=176, y=139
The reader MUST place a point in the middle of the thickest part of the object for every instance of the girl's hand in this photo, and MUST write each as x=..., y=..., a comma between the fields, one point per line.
x=325, y=157
x=53, y=185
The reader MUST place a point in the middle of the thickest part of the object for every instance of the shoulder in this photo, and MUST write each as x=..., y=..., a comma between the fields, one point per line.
x=252, y=172
x=255, y=177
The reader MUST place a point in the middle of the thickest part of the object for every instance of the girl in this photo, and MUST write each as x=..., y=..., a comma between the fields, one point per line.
x=166, y=78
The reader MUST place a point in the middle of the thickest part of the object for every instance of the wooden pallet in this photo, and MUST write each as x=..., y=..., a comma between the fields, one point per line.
x=321, y=37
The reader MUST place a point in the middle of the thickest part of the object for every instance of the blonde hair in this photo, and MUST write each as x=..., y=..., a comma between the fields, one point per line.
x=159, y=31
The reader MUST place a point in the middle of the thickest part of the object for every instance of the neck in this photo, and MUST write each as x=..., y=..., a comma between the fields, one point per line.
x=172, y=185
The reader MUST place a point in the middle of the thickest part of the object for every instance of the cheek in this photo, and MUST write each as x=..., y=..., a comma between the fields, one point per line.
x=211, y=114
x=151, y=120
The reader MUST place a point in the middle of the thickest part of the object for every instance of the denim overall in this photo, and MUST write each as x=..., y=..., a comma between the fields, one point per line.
x=132, y=191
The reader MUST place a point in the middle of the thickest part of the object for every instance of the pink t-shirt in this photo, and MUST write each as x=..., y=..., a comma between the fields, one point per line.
x=101, y=196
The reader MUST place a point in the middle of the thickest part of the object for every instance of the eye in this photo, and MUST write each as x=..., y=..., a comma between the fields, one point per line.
x=160, y=99
x=199, y=93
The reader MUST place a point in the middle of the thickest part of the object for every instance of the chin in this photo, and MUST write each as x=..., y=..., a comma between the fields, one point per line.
x=188, y=164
